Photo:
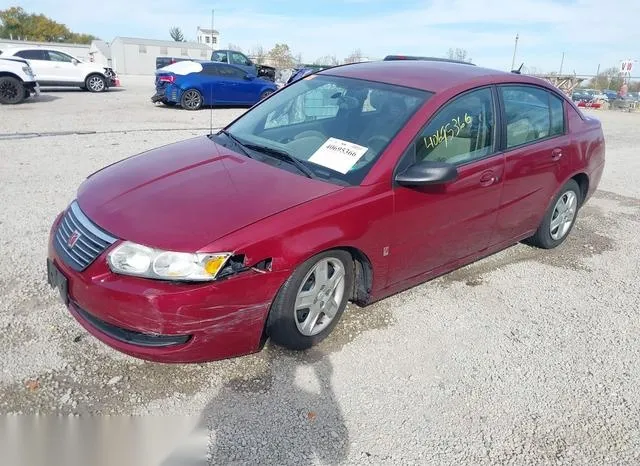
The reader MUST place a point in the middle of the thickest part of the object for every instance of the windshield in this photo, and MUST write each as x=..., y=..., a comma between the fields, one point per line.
x=337, y=127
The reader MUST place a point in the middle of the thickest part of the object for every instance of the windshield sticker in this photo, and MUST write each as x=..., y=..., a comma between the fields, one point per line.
x=447, y=132
x=338, y=155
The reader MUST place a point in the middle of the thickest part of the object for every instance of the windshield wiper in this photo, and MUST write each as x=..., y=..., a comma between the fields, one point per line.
x=238, y=143
x=283, y=155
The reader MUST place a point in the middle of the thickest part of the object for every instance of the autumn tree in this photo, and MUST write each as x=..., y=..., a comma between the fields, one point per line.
x=327, y=60
x=607, y=79
x=257, y=54
x=281, y=56
x=354, y=57
x=458, y=54
x=176, y=34
x=16, y=23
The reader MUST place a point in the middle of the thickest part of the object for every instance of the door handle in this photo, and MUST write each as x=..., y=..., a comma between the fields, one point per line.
x=488, y=178
x=556, y=154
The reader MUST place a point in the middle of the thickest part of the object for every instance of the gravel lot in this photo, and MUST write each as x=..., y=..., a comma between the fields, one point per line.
x=527, y=357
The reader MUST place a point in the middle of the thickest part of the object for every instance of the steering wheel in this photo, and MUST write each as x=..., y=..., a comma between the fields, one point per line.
x=374, y=146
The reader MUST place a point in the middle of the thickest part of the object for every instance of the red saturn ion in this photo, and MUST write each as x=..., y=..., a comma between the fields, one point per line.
x=351, y=184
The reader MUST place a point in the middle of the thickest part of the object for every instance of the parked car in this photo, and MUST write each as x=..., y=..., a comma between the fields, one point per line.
x=17, y=81
x=234, y=57
x=193, y=84
x=55, y=68
x=202, y=249
x=161, y=62
x=303, y=71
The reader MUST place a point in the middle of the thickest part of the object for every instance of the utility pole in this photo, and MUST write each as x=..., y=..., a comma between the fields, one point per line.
x=561, y=63
x=513, y=61
x=212, y=34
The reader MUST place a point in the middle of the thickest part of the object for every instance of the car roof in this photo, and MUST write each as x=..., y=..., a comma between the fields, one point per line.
x=433, y=76
x=19, y=48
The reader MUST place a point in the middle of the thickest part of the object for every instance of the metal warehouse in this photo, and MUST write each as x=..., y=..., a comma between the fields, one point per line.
x=135, y=56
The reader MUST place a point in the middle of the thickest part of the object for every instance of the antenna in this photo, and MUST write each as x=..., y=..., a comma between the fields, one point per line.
x=211, y=96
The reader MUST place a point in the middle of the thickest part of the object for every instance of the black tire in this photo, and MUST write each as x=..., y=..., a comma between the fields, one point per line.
x=543, y=237
x=95, y=83
x=281, y=324
x=191, y=100
x=12, y=90
x=168, y=104
x=266, y=94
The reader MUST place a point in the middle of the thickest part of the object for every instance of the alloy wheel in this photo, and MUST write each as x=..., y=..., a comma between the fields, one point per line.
x=8, y=90
x=564, y=213
x=96, y=84
x=191, y=100
x=319, y=296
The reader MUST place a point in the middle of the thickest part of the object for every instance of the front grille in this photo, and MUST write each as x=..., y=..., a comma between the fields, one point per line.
x=78, y=240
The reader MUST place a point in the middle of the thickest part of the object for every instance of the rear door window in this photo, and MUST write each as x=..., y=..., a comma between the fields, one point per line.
x=32, y=54
x=531, y=114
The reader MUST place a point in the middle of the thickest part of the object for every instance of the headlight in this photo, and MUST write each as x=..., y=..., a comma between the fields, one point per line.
x=134, y=259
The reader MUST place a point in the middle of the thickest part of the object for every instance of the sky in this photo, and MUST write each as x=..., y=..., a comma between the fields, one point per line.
x=589, y=32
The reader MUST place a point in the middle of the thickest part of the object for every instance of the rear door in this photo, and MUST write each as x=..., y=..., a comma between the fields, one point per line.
x=39, y=62
x=538, y=152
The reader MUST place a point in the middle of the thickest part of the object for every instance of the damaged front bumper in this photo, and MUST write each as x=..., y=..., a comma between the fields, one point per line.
x=167, y=321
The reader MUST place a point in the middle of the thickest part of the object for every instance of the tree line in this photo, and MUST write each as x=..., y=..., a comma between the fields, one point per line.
x=16, y=23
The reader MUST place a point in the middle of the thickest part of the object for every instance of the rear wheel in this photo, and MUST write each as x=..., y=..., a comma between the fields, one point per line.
x=191, y=99
x=312, y=300
x=12, y=90
x=95, y=83
x=559, y=219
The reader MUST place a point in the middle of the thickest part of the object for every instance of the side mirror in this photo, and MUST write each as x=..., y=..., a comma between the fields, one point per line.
x=74, y=61
x=427, y=173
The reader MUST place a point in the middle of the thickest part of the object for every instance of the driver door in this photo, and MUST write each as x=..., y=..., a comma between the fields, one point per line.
x=437, y=225
x=63, y=69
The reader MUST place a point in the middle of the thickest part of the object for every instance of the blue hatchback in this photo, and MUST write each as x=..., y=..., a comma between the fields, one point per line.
x=194, y=84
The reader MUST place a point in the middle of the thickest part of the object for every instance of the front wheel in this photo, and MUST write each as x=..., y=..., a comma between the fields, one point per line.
x=559, y=219
x=95, y=83
x=311, y=301
x=12, y=90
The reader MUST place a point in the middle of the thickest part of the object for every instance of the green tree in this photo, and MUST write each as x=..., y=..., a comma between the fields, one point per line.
x=281, y=56
x=17, y=23
x=176, y=34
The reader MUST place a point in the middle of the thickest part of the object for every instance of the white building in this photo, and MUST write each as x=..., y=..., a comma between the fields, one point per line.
x=135, y=56
x=80, y=51
x=209, y=37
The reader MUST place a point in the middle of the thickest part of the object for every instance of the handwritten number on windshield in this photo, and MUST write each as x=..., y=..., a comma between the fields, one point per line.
x=447, y=131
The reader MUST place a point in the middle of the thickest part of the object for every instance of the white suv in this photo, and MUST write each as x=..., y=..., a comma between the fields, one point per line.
x=17, y=81
x=55, y=68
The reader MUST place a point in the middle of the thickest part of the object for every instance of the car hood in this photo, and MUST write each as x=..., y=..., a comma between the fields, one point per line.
x=185, y=195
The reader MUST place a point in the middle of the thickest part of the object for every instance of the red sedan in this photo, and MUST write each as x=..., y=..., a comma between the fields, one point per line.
x=351, y=184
